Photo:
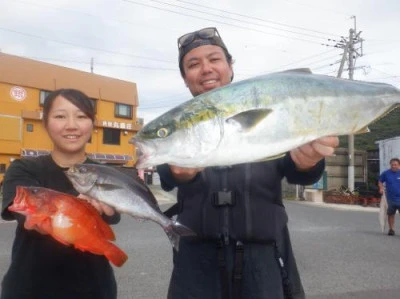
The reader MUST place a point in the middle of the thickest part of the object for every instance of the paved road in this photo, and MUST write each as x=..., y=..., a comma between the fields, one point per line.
x=341, y=254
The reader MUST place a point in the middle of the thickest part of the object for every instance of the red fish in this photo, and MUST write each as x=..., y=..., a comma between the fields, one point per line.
x=68, y=219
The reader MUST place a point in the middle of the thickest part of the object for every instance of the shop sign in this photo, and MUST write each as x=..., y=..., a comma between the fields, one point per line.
x=18, y=93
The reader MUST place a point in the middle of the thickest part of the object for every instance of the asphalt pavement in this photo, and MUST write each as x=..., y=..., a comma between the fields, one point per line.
x=340, y=251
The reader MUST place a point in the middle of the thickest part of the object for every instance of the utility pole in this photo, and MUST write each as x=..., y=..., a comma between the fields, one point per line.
x=350, y=54
x=91, y=65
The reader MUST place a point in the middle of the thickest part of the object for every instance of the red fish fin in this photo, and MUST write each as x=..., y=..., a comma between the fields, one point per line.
x=45, y=226
x=105, y=230
x=30, y=222
x=115, y=255
x=38, y=221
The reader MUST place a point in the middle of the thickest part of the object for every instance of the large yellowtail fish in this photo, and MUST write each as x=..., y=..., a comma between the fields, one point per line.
x=261, y=118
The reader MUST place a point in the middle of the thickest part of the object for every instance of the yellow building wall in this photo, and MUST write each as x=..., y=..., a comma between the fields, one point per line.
x=38, y=139
x=19, y=113
x=10, y=106
x=10, y=128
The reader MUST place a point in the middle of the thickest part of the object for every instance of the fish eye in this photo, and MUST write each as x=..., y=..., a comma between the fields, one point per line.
x=163, y=132
x=34, y=190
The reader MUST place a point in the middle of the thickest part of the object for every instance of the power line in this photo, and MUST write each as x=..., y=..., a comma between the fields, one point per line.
x=80, y=12
x=85, y=47
x=259, y=19
x=235, y=19
x=174, y=98
x=300, y=60
x=320, y=8
x=385, y=73
x=103, y=64
x=220, y=22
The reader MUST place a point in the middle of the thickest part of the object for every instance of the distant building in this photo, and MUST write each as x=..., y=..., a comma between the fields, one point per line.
x=388, y=149
x=24, y=84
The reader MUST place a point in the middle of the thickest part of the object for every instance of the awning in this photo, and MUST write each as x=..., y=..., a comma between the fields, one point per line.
x=33, y=153
x=106, y=158
x=110, y=158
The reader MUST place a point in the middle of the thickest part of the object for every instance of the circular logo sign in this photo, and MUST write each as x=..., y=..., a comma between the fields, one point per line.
x=18, y=93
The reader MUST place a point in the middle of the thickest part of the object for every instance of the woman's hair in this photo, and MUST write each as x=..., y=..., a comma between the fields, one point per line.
x=76, y=97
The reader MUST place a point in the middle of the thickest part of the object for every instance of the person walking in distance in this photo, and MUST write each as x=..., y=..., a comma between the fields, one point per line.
x=389, y=181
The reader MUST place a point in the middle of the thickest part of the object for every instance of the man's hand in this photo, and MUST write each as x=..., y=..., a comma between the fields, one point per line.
x=381, y=188
x=306, y=156
x=182, y=174
x=102, y=208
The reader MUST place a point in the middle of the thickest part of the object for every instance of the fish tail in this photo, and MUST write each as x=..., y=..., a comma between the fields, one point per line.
x=115, y=255
x=175, y=231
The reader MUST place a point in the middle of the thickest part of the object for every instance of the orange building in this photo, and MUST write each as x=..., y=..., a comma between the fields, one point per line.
x=24, y=84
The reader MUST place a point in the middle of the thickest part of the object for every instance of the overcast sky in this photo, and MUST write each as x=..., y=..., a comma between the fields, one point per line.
x=135, y=40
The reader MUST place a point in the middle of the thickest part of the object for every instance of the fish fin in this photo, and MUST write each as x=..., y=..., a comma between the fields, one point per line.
x=175, y=231
x=105, y=230
x=102, y=247
x=45, y=226
x=38, y=221
x=272, y=158
x=250, y=118
x=299, y=70
x=363, y=130
x=115, y=255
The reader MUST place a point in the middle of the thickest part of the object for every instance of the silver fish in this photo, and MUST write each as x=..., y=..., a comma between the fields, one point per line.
x=261, y=118
x=125, y=194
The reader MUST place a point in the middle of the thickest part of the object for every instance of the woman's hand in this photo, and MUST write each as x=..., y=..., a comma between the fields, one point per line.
x=102, y=208
x=306, y=156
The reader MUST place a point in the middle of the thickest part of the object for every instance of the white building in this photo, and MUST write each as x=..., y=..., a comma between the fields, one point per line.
x=388, y=149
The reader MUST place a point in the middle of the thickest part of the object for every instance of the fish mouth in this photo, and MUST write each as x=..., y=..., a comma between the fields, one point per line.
x=19, y=203
x=141, y=158
x=143, y=153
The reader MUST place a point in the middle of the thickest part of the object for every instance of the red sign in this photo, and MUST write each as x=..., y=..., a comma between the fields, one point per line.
x=18, y=93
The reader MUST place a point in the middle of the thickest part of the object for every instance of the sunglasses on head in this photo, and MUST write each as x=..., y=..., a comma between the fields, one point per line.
x=205, y=33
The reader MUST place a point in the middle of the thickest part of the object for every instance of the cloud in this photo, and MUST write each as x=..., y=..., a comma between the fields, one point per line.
x=136, y=40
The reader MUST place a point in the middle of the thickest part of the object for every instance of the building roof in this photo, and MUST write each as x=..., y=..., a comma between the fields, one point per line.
x=37, y=74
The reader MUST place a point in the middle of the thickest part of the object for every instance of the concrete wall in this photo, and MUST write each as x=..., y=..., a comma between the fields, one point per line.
x=337, y=168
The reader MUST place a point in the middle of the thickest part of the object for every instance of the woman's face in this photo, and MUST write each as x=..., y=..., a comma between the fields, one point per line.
x=68, y=127
x=206, y=68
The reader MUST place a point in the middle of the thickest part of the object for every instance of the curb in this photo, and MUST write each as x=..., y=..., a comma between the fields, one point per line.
x=340, y=206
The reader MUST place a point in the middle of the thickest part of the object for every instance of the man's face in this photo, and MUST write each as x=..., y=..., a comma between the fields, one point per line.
x=394, y=166
x=206, y=68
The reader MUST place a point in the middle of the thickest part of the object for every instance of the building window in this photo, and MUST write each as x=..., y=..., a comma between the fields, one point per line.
x=122, y=110
x=29, y=127
x=42, y=96
x=111, y=136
